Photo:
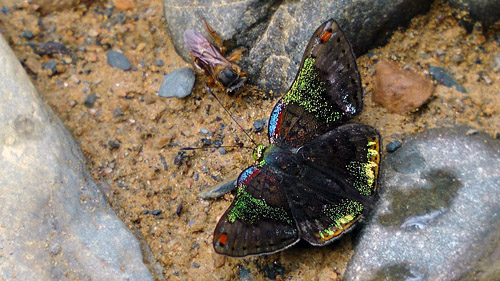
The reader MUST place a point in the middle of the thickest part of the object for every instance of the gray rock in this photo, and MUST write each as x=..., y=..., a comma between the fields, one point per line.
x=445, y=79
x=438, y=216
x=117, y=59
x=56, y=223
x=177, y=83
x=485, y=11
x=277, y=32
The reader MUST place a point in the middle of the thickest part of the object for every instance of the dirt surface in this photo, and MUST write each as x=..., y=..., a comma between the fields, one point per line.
x=131, y=137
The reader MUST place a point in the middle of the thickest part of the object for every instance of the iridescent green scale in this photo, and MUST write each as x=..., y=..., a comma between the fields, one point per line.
x=318, y=176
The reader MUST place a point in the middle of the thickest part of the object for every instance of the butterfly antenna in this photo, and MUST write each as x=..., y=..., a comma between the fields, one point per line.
x=222, y=146
x=228, y=113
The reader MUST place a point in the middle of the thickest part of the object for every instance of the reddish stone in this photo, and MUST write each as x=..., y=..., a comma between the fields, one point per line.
x=400, y=90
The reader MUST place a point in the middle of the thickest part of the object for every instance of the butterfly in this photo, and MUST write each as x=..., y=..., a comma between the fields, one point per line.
x=317, y=177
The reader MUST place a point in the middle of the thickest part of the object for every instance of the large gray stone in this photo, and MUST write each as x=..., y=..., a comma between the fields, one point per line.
x=55, y=222
x=277, y=32
x=438, y=217
x=485, y=11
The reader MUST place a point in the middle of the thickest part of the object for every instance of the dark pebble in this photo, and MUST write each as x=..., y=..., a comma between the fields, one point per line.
x=118, y=113
x=156, y=212
x=205, y=141
x=28, y=34
x=108, y=11
x=89, y=100
x=163, y=162
x=178, y=211
x=196, y=245
x=117, y=59
x=222, y=151
x=258, y=125
x=443, y=78
x=272, y=271
x=51, y=47
x=244, y=273
x=195, y=265
x=160, y=62
x=5, y=10
x=50, y=65
x=393, y=146
x=179, y=158
x=114, y=144
x=218, y=143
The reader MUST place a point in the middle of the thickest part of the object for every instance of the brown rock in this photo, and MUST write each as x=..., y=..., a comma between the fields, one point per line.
x=399, y=90
x=124, y=5
x=33, y=64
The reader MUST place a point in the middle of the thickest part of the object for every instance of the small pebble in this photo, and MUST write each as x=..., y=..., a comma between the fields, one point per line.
x=108, y=11
x=163, y=162
x=118, y=113
x=114, y=144
x=218, y=143
x=179, y=158
x=156, y=212
x=496, y=63
x=471, y=132
x=445, y=79
x=222, y=151
x=258, y=125
x=89, y=100
x=203, y=131
x=5, y=10
x=51, y=47
x=160, y=62
x=195, y=265
x=117, y=59
x=177, y=83
x=179, y=209
x=196, y=246
x=28, y=34
x=393, y=146
x=50, y=65
x=205, y=141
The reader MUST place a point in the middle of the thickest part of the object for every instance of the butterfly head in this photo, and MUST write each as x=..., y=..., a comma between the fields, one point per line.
x=258, y=153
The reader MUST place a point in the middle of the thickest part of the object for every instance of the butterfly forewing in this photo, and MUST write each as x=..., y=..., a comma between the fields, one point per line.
x=259, y=220
x=325, y=93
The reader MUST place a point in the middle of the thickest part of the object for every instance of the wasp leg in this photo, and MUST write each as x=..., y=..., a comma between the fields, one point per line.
x=215, y=36
x=236, y=54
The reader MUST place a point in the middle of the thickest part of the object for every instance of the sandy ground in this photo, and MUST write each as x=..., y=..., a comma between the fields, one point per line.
x=133, y=153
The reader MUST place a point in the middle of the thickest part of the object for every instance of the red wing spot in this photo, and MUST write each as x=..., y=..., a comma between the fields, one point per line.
x=325, y=36
x=223, y=239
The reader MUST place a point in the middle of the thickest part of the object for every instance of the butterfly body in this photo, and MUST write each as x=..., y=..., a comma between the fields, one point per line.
x=317, y=177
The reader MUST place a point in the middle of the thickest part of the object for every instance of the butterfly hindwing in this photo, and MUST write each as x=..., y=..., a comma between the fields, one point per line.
x=337, y=182
x=325, y=93
x=259, y=220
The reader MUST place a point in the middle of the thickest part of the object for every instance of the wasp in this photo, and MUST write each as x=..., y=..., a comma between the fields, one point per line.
x=209, y=58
